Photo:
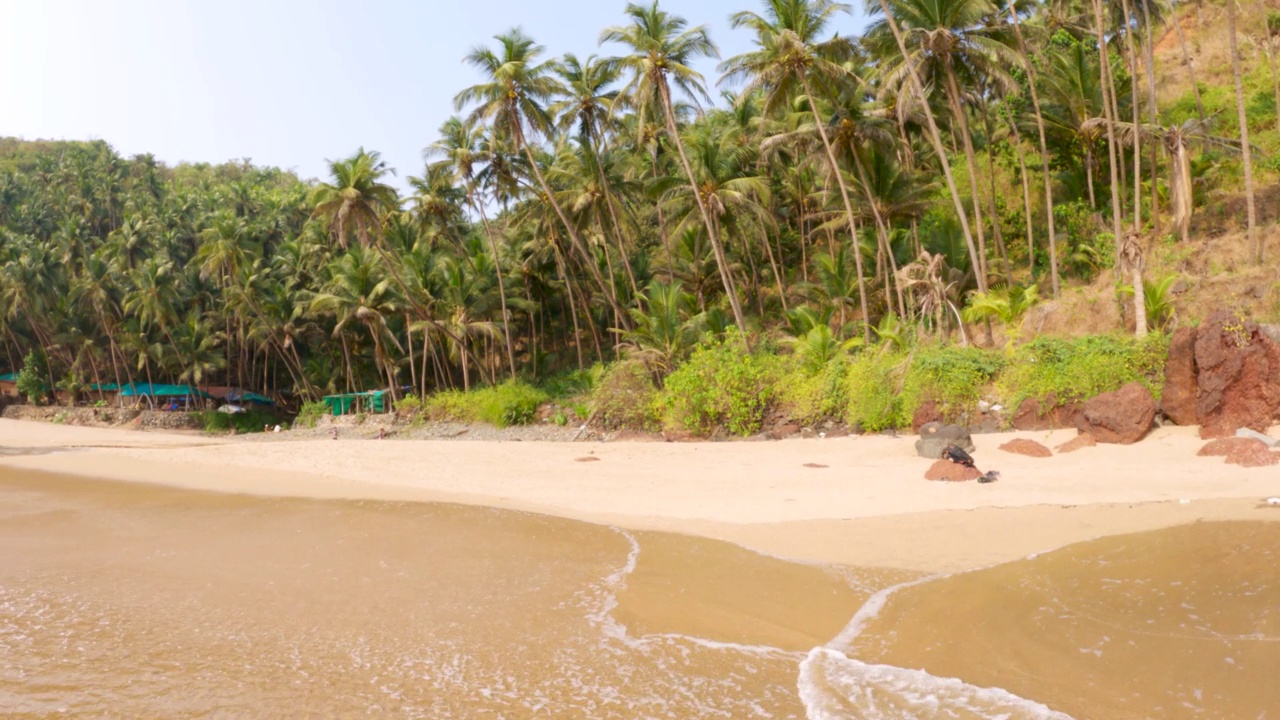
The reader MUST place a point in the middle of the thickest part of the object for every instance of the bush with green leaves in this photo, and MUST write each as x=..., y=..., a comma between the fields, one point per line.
x=246, y=422
x=31, y=379
x=721, y=385
x=1077, y=369
x=953, y=377
x=511, y=403
x=310, y=414
x=625, y=398
x=812, y=395
x=873, y=385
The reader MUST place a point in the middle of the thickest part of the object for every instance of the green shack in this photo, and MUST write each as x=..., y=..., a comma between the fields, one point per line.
x=349, y=403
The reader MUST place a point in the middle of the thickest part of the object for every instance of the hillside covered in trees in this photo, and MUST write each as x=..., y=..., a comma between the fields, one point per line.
x=928, y=183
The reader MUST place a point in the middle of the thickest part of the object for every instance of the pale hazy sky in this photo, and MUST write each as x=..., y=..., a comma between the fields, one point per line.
x=288, y=83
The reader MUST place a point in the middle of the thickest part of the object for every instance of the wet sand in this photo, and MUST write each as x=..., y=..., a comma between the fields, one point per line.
x=868, y=507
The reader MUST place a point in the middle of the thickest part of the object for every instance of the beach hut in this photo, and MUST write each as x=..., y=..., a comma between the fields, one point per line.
x=179, y=397
x=345, y=404
x=9, y=385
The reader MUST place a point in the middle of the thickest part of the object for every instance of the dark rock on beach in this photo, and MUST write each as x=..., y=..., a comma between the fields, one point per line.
x=1122, y=417
x=1178, y=399
x=935, y=437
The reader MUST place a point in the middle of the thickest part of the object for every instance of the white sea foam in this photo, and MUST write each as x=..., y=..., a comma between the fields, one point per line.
x=833, y=686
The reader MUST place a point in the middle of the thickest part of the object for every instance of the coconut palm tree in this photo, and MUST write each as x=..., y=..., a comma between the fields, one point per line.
x=662, y=47
x=355, y=202
x=1246, y=157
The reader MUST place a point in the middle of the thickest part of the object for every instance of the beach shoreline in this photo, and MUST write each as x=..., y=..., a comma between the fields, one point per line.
x=857, y=501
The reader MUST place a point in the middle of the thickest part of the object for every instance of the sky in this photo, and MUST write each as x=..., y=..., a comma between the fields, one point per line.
x=288, y=83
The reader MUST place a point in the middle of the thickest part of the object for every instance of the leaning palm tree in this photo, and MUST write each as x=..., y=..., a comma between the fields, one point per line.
x=790, y=57
x=357, y=199
x=516, y=86
x=662, y=47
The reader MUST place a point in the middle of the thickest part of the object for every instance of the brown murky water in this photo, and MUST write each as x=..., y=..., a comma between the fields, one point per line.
x=121, y=600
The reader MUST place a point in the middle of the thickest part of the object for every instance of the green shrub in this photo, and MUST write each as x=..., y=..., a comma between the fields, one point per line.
x=952, y=377
x=810, y=396
x=625, y=398
x=310, y=414
x=408, y=405
x=721, y=385
x=246, y=422
x=31, y=379
x=511, y=403
x=1077, y=369
x=873, y=384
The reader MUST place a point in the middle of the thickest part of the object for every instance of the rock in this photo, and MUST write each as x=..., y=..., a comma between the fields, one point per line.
x=1083, y=440
x=935, y=437
x=928, y=412
x=1030, y=448
x=783, y=432
x=1178, y=399
x=1045, y=413
x=1238, y=376
x=1225, y=446
x=588, y=458
x=1253, y=454
x=947, y=471
x=1122, y=417
x=1267, y=439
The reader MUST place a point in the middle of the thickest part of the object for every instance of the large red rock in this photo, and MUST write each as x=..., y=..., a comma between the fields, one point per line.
x=1045, y=413
x=1122, y=417
x=1178, y=399
x=1223, y=447
x=1238, y=369
x=928, y=412
x=1030, y=448
x=947, y=471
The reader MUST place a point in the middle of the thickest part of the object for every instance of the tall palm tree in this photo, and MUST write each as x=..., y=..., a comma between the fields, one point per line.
x=512, y=96
x=662, y=47
x=789, y=59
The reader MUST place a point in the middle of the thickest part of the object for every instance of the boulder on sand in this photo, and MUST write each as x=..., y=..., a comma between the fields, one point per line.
x=947, y=471
x=1178, y=399
x=1030, y=448
x=1246, y=452
x=1238, y=376
x=935, y=437
x=1045, y=413
x=1122, y=417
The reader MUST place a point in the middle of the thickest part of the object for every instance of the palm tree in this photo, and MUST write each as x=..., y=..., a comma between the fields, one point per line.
x=512, y=96
x=358, y=293
x=1255, y=240
x=355, y=202
x=662, y=48
x=789, y=59
x=666, y=331
x=935, y=137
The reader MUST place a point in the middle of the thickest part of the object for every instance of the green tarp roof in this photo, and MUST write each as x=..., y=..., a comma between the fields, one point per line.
x=144, y=389
x=9, y=377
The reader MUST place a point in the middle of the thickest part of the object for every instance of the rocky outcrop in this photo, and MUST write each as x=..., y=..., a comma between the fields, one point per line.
x=1030, y=448
x=1225, y=446
x=1178, y=399
x=935, y=437
x=1122, y=417
x=1246, y=452
x=928, y=412
x=1045, y=413
x=947, y=471
x=1083, y=440
x=1238, y=376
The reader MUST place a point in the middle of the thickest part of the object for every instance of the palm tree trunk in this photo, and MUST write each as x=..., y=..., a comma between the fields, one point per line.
x=995, y=214
x=1186, y=59
x=1255, y=240
x=1088, y=175
x=722, y=260
x=502, y=291
x=1026, y=189
x=935, y=138
x=568, y=226
x=1103, y=65
x=1153, y=115
x=848, y=206
x=971, y=161
x=1137, y=120
x=613, y=215
x=882, y=230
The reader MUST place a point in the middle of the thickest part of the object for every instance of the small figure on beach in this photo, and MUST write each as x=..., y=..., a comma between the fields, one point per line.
x=335, y=433
x=382, y=433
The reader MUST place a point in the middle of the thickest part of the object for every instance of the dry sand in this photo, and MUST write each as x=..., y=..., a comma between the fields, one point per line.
x=868, y=506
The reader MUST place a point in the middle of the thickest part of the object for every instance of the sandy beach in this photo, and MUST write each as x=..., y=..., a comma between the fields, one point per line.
x=866, y=505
